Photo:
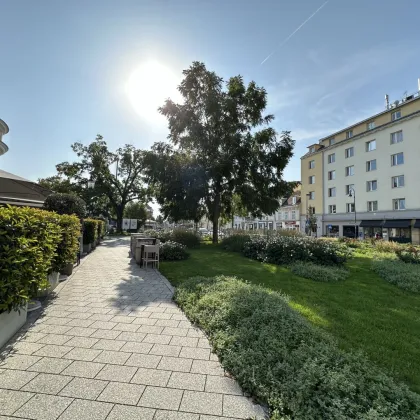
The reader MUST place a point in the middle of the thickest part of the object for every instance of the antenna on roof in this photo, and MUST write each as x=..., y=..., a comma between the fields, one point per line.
x=387, y=101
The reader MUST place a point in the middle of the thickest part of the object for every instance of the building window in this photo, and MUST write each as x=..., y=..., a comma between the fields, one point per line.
x=397, y=137
x=312, y=149
x=312, y=195
x=331, y=141
x=397, y=181
x=332, y=209
x=331, y=175
x=371, y=125
x=331, y=192
x=398, y=204
x=397, y=159
x=371, y=186
x=349, y=134
x=331, y=158
x=312, y=179
x=293, y=200
x=349, y=152
x=395, y=115
x=311, y=164
x=370, y=145
x=349, y=189
x=372, y=206
x=349, y=170
x=293, y=214
x=350, y=207
x=286, y=215
x=371, y=165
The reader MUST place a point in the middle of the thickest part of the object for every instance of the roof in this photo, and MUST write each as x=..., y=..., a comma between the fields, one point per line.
x=4, y=126
x=8, y=175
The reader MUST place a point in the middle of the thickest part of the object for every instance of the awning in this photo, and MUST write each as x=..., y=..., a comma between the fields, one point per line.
x=417, y=224
x=397, y=223
x=371, y=223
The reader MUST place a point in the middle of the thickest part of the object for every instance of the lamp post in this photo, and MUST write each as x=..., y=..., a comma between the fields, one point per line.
x=352, y=193
x=307, y=213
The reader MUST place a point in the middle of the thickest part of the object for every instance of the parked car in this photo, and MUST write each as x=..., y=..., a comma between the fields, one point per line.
x=203, y=231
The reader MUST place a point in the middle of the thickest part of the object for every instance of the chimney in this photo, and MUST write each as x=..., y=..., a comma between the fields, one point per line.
x=387, y=100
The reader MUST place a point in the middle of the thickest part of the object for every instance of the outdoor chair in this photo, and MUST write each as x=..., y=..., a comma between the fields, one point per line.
x=151, y=254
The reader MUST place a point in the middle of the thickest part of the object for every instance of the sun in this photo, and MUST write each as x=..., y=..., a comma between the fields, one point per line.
x=149, y=86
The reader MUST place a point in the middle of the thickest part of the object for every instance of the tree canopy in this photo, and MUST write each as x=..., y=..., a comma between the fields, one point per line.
x=220, y=146
x=139, y=211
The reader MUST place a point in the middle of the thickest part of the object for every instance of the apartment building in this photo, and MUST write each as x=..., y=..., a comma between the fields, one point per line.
x=361, y=181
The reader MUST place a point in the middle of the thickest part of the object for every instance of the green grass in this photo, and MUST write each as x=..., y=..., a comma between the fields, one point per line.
x=363, y=312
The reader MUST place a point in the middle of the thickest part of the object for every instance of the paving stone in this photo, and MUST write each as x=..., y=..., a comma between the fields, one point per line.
x=131, y=336
x=206, y=417
x=50, y=365
x=157, y=339
x=33, y=337
x=126, y=412
x=175, y=363
x=47, y=383
x=54, y=321
x=214, y=357
x=158, y=315
x=164, y=398
x=241, y=407
x=181, y=332
x=122, y=319
x=150, y=329
x=113, y=357
x=23, y=347
x=202, y=402
x=179, y=317
x=195, y=332
x=15, y=379
x=18, y=361
x=101, y=317
x=84, y=342
x=79, y=315
x=126, y=327
x=83, y=369
x=116, y=373
x=56, y=339
x=207, y=367
x=184, y=341
x=108, y=345
x=43, y=407
x=84, y=323
x=122, y=393
x=143, y=360
x=10, y=401
x=174, y=415
x=151, y=377
x=190, y=381
x=165, y=350
x=103, y=325
x=84, y=388
x=55, y=329
x=222, y=385
x=195, y=353
x=82, y=332
x=102, y=311
x=144, y=321
x=82, y=354
x=203, y=343
x=51, y=350
x=184, y=324
x=167, y=323
x=85, y=409
x=107, y=334
x=135, y=347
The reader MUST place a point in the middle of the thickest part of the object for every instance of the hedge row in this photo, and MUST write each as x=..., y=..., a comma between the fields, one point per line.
x=284, y=361
x=181, y=236
x=33, y=243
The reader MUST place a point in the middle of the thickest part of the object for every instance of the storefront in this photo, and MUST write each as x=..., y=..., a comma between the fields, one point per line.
x=371, y=228
x=398, y=230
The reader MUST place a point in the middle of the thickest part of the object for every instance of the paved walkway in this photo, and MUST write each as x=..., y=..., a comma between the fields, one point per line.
x=113, y=345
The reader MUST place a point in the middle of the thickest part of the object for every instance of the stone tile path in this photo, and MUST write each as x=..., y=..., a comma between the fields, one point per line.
x=113, y=345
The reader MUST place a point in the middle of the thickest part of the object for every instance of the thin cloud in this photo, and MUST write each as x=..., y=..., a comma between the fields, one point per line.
x=296, y=30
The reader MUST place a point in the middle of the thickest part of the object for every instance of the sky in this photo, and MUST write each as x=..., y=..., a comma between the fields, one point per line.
x=72, y=69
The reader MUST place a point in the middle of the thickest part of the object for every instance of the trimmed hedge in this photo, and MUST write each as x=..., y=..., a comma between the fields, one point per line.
x=317, y=272
x=235, y=242
x=65, y=204
x=172, y=251
x=90, y=232
x=281, y=359
x=181, y=236
x=28, y=242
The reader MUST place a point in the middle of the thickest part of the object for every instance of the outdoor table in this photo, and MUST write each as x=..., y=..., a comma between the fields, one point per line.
x=135, y=236
x=139, y=248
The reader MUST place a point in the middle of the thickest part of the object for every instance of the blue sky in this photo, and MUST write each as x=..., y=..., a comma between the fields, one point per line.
x=65, y=66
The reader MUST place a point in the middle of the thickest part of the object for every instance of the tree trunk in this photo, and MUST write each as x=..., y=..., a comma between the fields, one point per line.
x=120, y=212
x=216, y=214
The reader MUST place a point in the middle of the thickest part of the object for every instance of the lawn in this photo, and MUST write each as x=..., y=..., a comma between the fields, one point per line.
x=363, y=312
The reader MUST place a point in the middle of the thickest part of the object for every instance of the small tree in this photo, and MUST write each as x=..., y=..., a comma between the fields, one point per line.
x=137, y=210
x=65, y=204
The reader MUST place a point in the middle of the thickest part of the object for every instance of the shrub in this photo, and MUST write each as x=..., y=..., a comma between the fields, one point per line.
x=319, y=272
x=235, y=242
x=28, y=243
x=403, y=275
x=69, y=243
x=172, y=251
x=102, y=226
x=90, y=231
x=284, y=361
x=410, y=255
x=65, y=204
x=255, y=248
x=386, y=246
x=185, y=237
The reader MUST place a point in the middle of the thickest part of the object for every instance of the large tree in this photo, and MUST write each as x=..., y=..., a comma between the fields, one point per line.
x=221, y=145
x=116, y=188
x=139, y=211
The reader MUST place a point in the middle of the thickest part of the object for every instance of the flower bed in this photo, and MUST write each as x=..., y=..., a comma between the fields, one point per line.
x=172, y=251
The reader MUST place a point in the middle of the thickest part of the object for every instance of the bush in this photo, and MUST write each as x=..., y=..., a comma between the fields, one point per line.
x=90, y=231
x=288, y=249
x=386, y=246
x=69, y=244
x=102, y=226
x=28, y=243
x=284, y=361
x=185, y=237
x=319, y=272
x=172, y=251
x=66, y=204
x=235, y=242
x=411, y=255
x=403, y=275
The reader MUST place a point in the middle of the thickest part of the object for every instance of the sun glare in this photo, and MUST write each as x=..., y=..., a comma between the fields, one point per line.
x=149, y=86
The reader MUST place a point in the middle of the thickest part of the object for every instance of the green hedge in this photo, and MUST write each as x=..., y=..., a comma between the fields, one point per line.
x=90, y=231
x=181, y=236
x=235, y=242
x=287, y=363
x=28, y=242
x=69, y=244
x=172, y=251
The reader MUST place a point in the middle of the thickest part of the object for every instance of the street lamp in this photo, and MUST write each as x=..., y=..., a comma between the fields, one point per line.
x=352, y=193
x=307, y=213
x=91, y=184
